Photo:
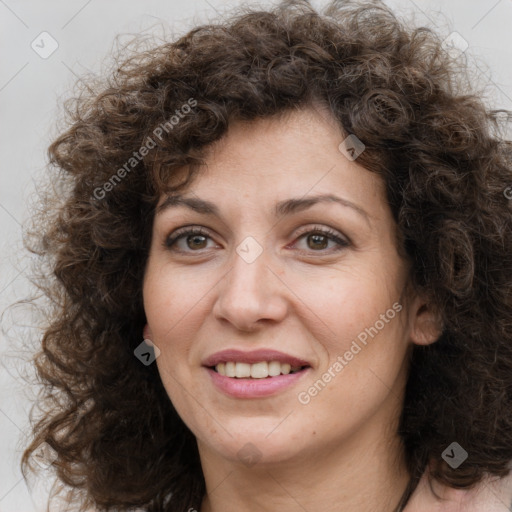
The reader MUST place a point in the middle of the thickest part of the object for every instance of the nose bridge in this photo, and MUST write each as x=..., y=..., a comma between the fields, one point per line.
x=250, y=291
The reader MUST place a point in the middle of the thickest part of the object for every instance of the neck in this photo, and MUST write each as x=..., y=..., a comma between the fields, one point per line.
x=364, y=473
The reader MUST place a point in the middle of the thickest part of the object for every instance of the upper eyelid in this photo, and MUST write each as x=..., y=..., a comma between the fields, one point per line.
x=315, y=227
x=201, y=230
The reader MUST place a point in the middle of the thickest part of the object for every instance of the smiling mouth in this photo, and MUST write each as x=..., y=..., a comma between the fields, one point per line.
x=261, y=370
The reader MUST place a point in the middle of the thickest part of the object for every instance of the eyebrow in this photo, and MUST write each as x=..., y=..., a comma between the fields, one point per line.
x=281, y=209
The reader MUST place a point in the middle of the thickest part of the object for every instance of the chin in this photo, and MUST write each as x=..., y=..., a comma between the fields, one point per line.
x=257, y=447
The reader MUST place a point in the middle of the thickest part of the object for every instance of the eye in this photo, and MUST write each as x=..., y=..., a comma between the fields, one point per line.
x=318, y=238
x=194, y=239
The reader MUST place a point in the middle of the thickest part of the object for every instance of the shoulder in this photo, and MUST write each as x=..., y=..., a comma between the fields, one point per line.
x=491, y=495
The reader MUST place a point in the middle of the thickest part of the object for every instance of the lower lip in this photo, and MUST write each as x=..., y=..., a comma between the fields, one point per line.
x=254, y=388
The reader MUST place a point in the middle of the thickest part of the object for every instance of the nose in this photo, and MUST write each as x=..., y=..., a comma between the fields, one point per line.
x=251, y=294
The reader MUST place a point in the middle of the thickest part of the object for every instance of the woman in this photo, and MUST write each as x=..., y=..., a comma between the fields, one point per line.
x=305, y=218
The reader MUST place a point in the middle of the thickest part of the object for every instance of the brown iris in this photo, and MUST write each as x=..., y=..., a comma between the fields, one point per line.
x=195, y=239
x=320, y=241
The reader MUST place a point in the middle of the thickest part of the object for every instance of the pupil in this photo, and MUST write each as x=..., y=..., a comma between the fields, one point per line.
x=316, y=239
x=194, y=239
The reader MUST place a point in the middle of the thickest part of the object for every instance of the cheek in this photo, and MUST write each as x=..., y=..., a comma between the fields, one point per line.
x=361, y=373
x=175, y=304
x=169, y=311
x=173, y=300
x=365, y=345
x=346, y=303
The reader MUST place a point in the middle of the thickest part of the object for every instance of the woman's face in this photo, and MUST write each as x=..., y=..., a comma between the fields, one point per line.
x=295, y=258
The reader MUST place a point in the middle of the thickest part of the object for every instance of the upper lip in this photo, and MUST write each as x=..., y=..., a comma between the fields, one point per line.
x=253, y=356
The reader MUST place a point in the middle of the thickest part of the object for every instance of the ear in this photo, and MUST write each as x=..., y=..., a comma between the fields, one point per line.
x=146, y=333
x=425, y=322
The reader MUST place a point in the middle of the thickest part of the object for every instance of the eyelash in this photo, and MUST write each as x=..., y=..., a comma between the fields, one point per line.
x=315, y=230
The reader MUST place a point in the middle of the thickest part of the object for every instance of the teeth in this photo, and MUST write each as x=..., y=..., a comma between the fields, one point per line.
x=255, y=371
x=274, y=368
x=242, y=370
x=259, y=370
x=230, y=369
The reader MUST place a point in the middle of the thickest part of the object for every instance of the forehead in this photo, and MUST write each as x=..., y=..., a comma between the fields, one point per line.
x=266, y=161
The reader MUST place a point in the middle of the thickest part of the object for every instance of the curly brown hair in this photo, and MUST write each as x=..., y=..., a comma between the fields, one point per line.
x=117, y=439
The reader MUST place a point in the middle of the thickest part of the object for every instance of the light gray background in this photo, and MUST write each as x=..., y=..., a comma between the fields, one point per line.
x=32, y=87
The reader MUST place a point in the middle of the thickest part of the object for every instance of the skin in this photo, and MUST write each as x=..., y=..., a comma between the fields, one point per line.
x=307, y=299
